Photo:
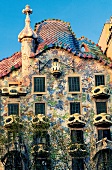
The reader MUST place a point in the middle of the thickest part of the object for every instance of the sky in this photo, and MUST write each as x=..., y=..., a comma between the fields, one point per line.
x=86, y=17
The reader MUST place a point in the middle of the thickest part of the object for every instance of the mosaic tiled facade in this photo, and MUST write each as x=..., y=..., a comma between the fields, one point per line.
x=52, y=52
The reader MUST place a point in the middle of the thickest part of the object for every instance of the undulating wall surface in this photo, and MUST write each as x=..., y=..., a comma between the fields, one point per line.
x=57, y=97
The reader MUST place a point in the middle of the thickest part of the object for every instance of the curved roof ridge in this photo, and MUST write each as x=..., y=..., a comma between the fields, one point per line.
x=53, y=19
x=85, y=38
x=55, y=32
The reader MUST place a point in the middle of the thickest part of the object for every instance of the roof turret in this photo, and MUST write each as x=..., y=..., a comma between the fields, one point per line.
x=27, y=31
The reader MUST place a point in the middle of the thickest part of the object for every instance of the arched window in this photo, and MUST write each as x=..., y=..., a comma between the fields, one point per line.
x=84, y=48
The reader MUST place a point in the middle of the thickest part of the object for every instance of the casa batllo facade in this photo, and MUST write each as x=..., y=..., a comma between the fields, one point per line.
x=56, y=101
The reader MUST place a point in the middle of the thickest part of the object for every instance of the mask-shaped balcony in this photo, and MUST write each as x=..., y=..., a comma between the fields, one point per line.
x=40, y=122
x=40, y=150
x=102, y=120
x=76, y=121
x=100, y=92
x=13, y=91
x=103, y=144
x=77, y=150
x=13, y=122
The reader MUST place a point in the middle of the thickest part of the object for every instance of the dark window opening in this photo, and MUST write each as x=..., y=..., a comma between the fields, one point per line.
x=77, y=164
x=99, y=80
x=39, y=108
x=74, y=84
x=39, y=84
x=77, y=136
x=13, y=109
x=14, y=161
x=41, y=138
x=101, y=107
x=74, y=107
x=55, y=60
x=104, y=134
x=104, y=160
x=13, y=85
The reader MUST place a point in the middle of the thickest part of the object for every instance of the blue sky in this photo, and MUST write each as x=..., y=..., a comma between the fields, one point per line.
x=86, y=17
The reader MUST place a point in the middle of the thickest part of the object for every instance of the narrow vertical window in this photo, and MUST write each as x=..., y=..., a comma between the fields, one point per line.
x=74, y=84
x=13, y=109
x=99, y=80
x=39, y=84
x=39, y=108
x=101, y=107
x=104, y=134
x=74, y=107
x=77, y=136
x=77, y=164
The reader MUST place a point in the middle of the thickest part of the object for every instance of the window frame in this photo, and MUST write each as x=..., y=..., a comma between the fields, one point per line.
x=73, y=76
x=101, y=101
x=76, y=132
x=76, y=162
x=99, y=74
x=101, y=135
x=70, y=107
x=35, y=107
x=38, y=76
x=18, y=108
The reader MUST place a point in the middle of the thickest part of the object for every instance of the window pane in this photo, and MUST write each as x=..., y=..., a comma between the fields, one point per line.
x=104, y=134
x=77, y=164
x=74, y=84
x=13, y=109
x=101, y=107
x=39, y=84
x=74, y=107
x=100, y=134
x=77, y=136
x=39, y=108
x=99, y=80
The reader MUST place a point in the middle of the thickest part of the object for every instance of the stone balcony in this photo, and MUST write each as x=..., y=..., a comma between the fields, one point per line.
x=13, y=91
x=102, y=120
x=100, y=92
x=40, y=150
x=77, y=150
x=76, y=120
x=40, y=122
x=13, y=122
